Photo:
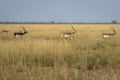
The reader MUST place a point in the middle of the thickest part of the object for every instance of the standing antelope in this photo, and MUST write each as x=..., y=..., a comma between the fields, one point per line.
x=20, y=33
x=108, y=35
x=67, y=35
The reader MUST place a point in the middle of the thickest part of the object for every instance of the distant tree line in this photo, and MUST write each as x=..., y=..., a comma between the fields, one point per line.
x=53, y=22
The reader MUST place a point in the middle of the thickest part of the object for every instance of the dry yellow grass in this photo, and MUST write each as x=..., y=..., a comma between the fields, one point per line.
x=43, y=55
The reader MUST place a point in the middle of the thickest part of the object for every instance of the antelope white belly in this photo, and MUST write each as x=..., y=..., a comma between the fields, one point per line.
x=106, y=36
x=17, y=36
x=66, y=35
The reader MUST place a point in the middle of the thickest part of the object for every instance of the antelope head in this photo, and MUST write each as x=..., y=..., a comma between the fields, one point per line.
x=114, y=32
x=24, y=30
x=74, y=31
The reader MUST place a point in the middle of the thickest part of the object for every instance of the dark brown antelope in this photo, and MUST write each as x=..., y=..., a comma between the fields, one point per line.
x=67, y=35
x=20, y=33
x=5, y=31
x=108, y=35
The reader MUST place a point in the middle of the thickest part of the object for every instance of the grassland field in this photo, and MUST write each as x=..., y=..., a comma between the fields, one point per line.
x=41, y=54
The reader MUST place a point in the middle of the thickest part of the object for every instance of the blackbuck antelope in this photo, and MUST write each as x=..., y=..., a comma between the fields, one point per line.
x=20, y=33
x=67, y=35
x=108, y=35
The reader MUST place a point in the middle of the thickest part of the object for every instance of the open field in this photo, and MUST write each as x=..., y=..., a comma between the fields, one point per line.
x=43, y=55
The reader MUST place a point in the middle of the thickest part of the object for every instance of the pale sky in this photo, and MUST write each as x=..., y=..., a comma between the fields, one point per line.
x=60, y=10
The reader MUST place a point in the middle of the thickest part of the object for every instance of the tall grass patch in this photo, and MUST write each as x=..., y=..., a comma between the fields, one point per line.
x=43, y=55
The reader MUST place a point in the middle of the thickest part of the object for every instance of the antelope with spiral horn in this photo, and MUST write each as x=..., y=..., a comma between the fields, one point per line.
x=20, y=33
x=67, y=35
x=108, y=35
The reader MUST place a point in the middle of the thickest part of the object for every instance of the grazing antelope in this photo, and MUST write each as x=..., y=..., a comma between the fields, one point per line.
x=108, y=35
x=67, y=35
x=5, y=31
x=20, y=33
